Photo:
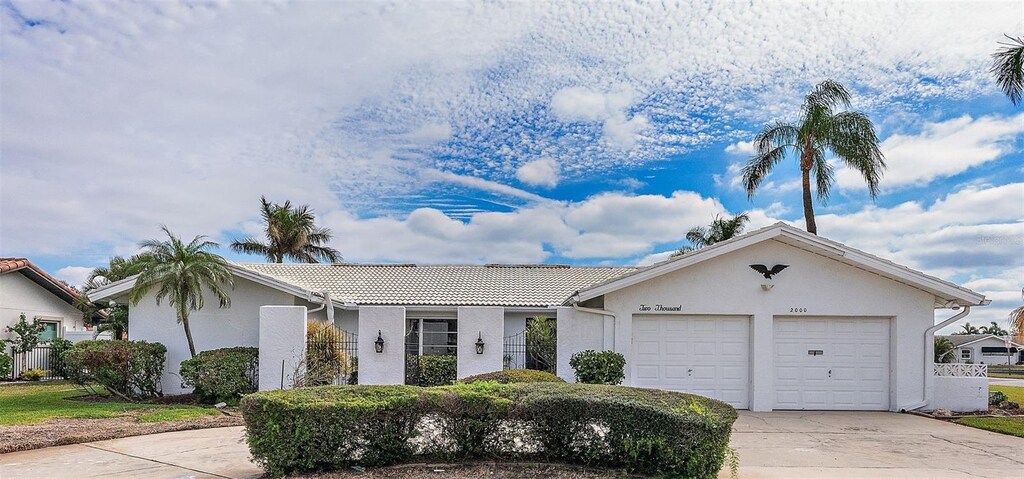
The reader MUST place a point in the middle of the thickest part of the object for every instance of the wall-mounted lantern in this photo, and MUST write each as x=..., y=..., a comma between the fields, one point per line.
x=378, y=345
x=479, y=343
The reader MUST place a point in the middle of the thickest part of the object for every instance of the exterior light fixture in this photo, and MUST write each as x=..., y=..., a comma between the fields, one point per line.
x=378, y=345
x=479, y=343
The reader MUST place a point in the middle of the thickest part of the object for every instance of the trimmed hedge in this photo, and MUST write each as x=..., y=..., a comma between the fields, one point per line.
x=515, y=376
x=598, y=367
x=130, y=369
x=641, y=430
x=222, y=374
x=437, y=369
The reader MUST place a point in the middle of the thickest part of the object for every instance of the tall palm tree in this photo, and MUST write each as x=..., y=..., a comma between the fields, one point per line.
x=290, y=232
x=849, y=135
x=1008, y=67
x=994, y=329
x=968, y=328
x=181, y=273
x=117, y=268
x=1017, y=321
x=720, y=229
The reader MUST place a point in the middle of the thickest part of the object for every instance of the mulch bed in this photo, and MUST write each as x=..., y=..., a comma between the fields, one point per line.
x=61, y=431
x=501, y=470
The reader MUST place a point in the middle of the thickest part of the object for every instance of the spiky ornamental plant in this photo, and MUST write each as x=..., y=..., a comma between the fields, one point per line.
x=1008, y=67
x=182, y=272
x=290, y=232
x=849, y=135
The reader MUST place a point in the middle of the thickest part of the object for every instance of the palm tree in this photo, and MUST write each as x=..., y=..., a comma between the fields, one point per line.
x=943, y=350
x=849, y=135
x=994, y=329
x=720, y=229
x=968, y=329
x=117, y=268
x=291, y=232
x=1008, y=67
x=182, y=272
x=1017, y=320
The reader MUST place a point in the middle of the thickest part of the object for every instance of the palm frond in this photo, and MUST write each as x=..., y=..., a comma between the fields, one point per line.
x=852, y=137
x=1008, y=67
x=828, y=95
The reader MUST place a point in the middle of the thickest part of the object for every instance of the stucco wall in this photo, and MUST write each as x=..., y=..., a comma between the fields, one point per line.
x=19, y=294
x=577, y=331
x=212, y=327
x=479, y=322
x=823, y=287
x=960, y=394
x=387, y=367
x=282, y=345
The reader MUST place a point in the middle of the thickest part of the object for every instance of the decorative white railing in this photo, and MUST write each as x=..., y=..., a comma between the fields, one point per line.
x=962, y=370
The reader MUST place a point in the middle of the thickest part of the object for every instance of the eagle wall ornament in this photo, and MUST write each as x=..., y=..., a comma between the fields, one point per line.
x=768, y=273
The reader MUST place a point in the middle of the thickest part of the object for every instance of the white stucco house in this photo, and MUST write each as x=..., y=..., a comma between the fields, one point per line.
x=838, y=329
x=27, y=289
x=985, y=349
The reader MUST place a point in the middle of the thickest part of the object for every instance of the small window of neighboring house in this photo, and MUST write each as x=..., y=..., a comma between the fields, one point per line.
x=965, y=354
x=52, y=330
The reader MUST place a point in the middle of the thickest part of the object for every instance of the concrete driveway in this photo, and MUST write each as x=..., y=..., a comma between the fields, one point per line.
x=1019, y=382
x=788, y=445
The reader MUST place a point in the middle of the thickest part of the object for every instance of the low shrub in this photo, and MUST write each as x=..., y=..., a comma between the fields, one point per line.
x=644, y=431
x=515, y=376
x=222, y=374
x=996, y=397
x=130, y=369
x=32, y=374
x=59, y=346
x=6, y=366
x=436, y=370
x=598, y=367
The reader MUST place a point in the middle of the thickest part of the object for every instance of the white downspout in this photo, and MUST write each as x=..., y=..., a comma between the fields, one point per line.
x=929, y=357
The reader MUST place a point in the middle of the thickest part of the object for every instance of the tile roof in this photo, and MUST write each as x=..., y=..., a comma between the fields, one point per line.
x=8, y=265
x=441, y=285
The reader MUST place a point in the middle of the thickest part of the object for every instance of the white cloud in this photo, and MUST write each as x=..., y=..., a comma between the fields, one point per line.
x=539, y=172
x=744, y=148
x=580, y=104
x=74, y=275
x=941, y=149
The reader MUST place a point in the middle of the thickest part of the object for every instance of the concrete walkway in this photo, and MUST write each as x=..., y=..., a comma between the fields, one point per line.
x=1006, y=382
x=790, y=445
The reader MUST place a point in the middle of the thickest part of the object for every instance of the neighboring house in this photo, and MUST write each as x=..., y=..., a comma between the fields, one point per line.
x=984, y=349
x=25, y=288
x=839, y=329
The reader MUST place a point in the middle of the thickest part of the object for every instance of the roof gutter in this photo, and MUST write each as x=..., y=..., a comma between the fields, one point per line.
x=929, y=357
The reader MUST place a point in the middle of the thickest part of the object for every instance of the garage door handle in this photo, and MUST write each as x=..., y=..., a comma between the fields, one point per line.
x=689, y=372
x=829, y=373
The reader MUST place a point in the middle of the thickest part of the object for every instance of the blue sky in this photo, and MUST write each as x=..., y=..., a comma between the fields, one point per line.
x=457, y=132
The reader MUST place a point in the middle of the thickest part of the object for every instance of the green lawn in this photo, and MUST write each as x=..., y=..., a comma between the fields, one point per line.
x=1013, y=426
x=32, y=403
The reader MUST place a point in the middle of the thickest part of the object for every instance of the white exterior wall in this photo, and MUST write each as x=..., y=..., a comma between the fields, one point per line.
x=19, y=294
x=480, y=322
x=577, y=331
x=212, y=327
x=727, y=286
x=387, y=367
x=959, y=394
x=282, y=345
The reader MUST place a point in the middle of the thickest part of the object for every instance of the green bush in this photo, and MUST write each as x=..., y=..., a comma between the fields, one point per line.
x=644, y=431
x=6, y=366
x=515, y=376
x=437, y=370
x=996, y=397
x=326, y=360
x=593, y=367
x=222, y=374
x=130, y=369
x=59, y=346
x=32, y=374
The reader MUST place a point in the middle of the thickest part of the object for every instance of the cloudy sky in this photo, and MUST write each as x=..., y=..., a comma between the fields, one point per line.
x=582, y=133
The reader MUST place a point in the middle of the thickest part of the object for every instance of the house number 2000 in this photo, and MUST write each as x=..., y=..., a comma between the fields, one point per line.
x=797, y=310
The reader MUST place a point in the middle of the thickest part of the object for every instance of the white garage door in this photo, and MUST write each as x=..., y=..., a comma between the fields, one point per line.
x=708, y=356
x=832, y=363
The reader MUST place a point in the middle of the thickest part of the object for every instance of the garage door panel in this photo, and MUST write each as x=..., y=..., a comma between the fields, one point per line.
x=708, y=356
x=852, y=371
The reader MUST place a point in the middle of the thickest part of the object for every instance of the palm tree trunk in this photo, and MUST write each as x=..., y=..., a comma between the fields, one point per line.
x=188, y=335
x=805, y=172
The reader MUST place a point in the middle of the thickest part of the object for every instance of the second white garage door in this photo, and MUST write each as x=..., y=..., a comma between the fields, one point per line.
x=708, y=356
x=832, y=363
